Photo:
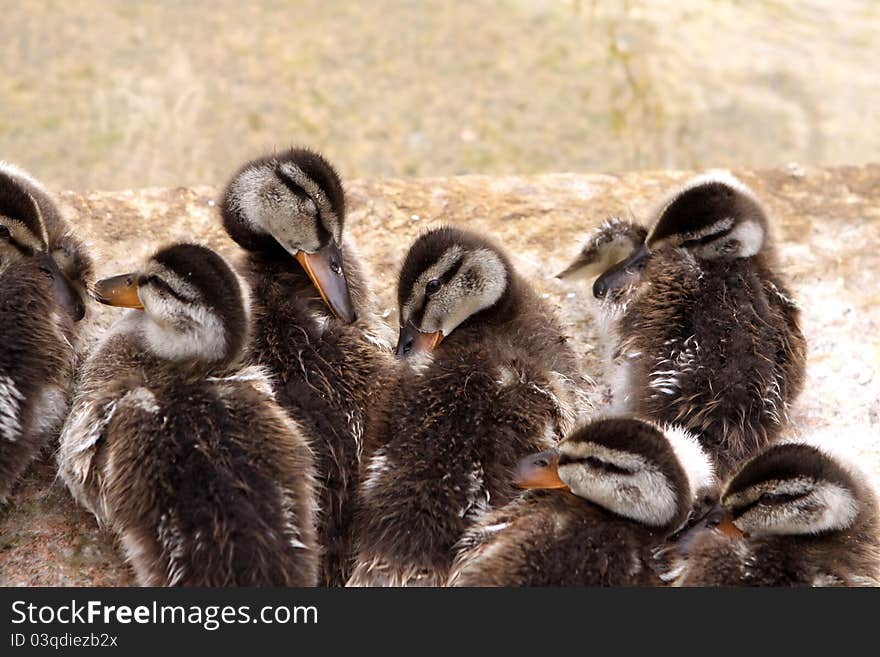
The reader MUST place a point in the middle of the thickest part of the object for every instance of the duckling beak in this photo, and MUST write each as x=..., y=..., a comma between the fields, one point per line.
x=119, y=291
x=718, y=520
x=621, y=274
x=413, y=340
x=67, y=296
x=582, y=267
x=725, y=526
x=324, y=267
x=540, y=470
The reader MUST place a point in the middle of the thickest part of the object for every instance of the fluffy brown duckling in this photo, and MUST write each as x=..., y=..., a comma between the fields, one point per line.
x=181, y=450
x=611, y=493
x=314, y=328
x=44, y=271
x=702, y=328
x=791, y=516
x=486, y=377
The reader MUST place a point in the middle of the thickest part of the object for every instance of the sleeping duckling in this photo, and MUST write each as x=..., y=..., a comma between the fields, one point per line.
x=43, y=274
x=487, y=377
x=792, y=516
x=702, y=329
x=314, y=328
x=624, y=486
x=179, y=449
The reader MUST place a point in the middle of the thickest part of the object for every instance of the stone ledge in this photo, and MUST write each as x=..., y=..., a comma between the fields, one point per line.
x=826, y=220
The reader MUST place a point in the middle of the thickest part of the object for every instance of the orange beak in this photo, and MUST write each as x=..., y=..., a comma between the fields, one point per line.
x=540, y=470
x=718, y=520
x=726, y=527
x=324, y=268
x=412, y=340
x=119, y=291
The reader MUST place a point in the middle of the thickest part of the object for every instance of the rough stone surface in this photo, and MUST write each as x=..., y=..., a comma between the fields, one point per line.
x=827, y=222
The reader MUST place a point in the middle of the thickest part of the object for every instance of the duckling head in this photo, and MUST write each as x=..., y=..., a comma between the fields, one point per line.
x=629, y=467
x=450, y=277
x=23, y=235
x=712, y=217
x=194, y=306
x=788, y=489
x=293, y=203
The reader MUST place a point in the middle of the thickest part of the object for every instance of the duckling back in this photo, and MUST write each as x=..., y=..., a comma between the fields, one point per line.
x=209, y=488
x=719, y=351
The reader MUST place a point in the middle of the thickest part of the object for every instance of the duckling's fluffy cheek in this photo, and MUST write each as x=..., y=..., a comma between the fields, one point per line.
x=828, y=508
x=191, y=333
x=644, y=496
x=447, y=310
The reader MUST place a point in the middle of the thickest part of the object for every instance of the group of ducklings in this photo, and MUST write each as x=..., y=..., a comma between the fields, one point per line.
x=252, y=426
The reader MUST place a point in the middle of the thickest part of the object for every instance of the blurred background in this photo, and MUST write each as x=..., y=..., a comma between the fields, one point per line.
x=107, y=95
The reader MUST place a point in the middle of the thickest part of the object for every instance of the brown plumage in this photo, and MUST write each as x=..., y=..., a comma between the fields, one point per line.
x=625, y=485
x=314, y=330
x=701, y=327
x=44, y=271
x=179, y=449
x=792, y=516
x=487, y=377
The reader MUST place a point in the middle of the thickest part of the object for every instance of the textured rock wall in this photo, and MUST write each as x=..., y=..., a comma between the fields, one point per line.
x=827, y=222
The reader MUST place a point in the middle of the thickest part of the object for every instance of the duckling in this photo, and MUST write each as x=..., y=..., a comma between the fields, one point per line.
x=486, y=377
x=43, y=274
x=791, y=516
x=702, y=328
x=314, y=328
x=178, y=448
x=613, y=490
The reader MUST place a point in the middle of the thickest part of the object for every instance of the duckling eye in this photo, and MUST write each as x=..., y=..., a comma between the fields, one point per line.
x=335, y=266
x=432, y=286
x=767, y=498
x=4, y=232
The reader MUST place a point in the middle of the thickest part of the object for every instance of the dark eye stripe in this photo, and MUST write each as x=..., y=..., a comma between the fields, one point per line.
x=768, y=498
x=594, y=462
x=705, y=239
x=450, y=273
x=158, y=283
x=324, y=235
x=419, y=313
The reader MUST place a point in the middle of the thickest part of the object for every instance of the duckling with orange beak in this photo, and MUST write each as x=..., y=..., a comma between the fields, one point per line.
x=597, y=509
x=486, y=376
x=314, y=325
